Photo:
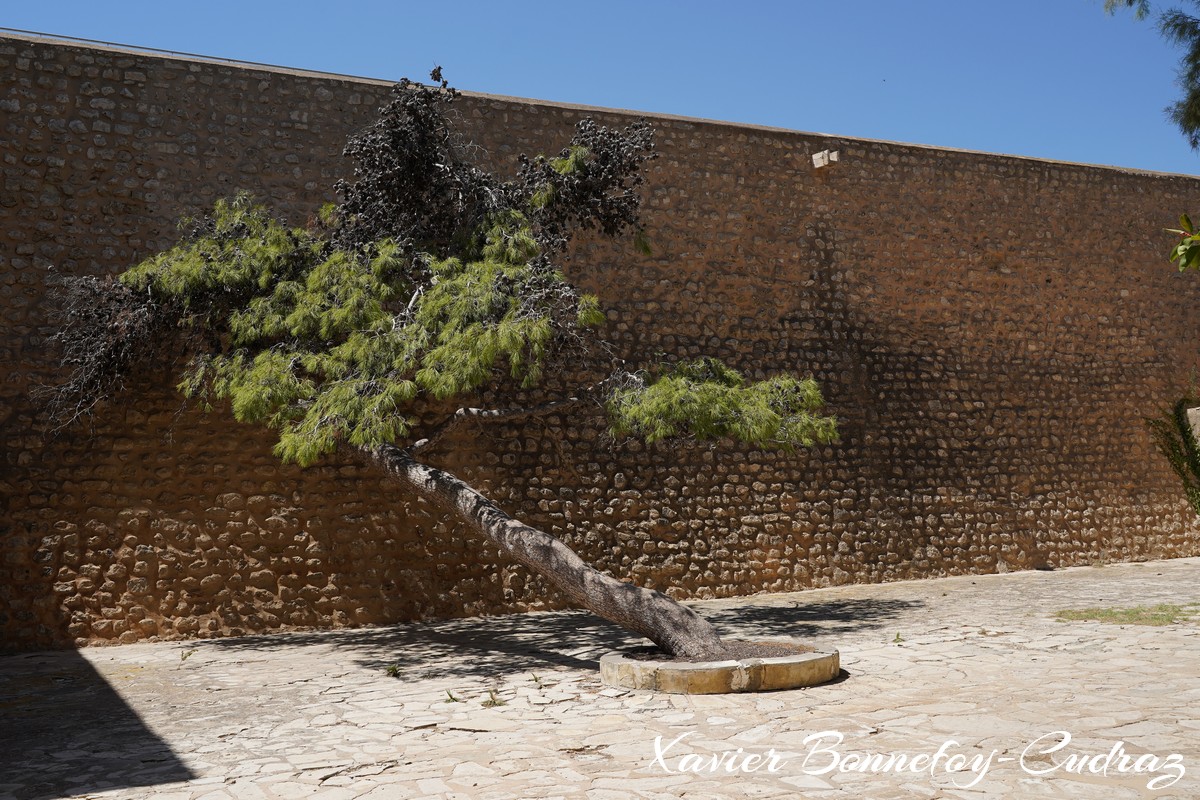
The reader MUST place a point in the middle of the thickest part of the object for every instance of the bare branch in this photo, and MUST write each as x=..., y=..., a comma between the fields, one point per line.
x=597, y=392
x=105, y=330
x=458, y=418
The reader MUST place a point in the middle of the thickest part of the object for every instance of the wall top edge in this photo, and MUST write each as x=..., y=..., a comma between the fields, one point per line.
x=46, y=39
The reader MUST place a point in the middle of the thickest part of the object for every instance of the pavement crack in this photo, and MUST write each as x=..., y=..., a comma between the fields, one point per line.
x=357, y=770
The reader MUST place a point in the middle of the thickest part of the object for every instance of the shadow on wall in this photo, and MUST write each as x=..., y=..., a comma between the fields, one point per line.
x=491, y=647
x=65, y=731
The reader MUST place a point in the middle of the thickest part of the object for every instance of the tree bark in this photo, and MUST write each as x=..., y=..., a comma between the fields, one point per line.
x=675, y=628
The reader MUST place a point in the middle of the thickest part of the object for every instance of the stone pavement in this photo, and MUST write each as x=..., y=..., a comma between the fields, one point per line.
x=967, y=672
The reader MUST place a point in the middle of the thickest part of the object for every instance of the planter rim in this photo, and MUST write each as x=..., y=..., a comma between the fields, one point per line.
x=808, y=668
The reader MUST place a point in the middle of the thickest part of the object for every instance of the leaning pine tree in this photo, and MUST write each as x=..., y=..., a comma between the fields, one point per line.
x=431, y=282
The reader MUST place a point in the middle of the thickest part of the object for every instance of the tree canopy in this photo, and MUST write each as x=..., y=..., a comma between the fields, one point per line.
x=430, y=280
x=1182, y=29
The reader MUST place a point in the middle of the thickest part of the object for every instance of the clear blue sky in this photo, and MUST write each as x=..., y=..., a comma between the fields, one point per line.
x=1047, y=78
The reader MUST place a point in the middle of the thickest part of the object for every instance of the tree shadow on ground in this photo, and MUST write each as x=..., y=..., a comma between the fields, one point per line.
x=491, y=647
x=820, y=621
x=65, y=731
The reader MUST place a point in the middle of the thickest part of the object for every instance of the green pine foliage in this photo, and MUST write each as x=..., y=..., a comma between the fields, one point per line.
x=327, y=345
x=1174, y=438
x=426, y=287
x=704, y=399
x=1141, y=8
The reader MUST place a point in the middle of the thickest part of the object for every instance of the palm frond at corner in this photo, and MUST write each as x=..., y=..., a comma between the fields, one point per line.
x=1173, y=436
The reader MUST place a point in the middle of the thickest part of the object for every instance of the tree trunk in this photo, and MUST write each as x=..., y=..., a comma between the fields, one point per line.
x=676, y=629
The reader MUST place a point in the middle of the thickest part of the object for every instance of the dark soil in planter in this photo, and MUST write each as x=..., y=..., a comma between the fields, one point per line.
x=734, y=651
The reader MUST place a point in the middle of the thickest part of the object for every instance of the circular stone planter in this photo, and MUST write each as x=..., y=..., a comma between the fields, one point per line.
x=805, y=668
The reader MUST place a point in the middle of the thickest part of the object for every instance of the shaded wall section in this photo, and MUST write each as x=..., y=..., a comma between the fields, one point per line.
x=991, y=330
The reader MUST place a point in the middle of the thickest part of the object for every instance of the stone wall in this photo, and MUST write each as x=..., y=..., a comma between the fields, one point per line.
x=990, y=330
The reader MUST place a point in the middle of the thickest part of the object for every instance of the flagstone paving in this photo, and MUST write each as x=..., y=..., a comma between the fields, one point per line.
x=512, y=707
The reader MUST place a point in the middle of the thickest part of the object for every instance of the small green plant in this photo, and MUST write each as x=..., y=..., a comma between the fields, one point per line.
x=184, y=655
x=493, y=700
x=450, y=698
x=1187, y=251
x=536, y=679
x=898, y=639
x=393, y=670
x=1159, y=615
